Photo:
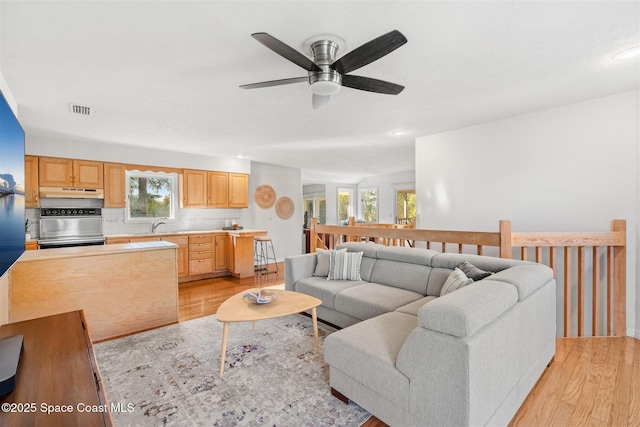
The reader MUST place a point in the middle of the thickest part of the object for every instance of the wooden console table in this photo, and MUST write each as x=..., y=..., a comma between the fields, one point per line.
x=58, y=372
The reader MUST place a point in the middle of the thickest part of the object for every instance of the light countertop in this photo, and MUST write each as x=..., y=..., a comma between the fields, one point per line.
x=80, y=251
x=239, y=232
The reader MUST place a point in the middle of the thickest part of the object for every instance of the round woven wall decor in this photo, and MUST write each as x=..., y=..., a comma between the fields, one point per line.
x=265, y=196
x=285, y=207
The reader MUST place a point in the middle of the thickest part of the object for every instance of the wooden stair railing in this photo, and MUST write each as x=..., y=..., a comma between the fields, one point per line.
x=600, y=256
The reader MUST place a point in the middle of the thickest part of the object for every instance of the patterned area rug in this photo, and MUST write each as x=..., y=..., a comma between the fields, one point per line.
x=273, y=377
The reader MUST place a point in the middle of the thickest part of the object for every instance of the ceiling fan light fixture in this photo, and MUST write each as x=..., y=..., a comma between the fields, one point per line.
x=325, y=88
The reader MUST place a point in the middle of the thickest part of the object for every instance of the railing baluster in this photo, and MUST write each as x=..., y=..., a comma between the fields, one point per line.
x=609, y=289
x=595, y=282
x=581, y=291
x=567, y=291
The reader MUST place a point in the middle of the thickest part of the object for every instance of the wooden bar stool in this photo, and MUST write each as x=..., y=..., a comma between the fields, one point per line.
x=264, y=254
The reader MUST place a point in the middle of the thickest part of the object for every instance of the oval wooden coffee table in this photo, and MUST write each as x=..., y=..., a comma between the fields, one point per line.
x=235, y=309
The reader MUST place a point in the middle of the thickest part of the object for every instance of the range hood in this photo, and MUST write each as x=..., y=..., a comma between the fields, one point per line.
x=72, y=193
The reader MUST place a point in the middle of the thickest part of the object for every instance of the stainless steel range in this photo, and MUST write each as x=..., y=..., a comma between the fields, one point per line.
x=64, y=227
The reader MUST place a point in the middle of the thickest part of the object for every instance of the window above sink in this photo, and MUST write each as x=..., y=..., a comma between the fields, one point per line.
x=151, y=195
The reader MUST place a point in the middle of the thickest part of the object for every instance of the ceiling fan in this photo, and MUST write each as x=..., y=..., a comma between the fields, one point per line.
x=326, y=75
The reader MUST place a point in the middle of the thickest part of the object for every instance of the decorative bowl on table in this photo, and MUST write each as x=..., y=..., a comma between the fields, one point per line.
x=260, y=297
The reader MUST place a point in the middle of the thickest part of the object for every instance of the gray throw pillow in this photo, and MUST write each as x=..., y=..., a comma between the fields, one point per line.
x=456, y=280
x=322, y=265
x=473, y=272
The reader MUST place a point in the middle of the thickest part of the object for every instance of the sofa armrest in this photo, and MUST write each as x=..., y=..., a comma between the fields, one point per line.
x=298, y=267
x=465, y=311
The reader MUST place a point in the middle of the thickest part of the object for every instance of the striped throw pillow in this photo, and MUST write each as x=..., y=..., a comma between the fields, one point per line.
x=344, y=265
x=456, y=280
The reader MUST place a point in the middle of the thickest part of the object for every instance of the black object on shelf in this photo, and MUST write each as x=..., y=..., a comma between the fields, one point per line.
x=10, y=354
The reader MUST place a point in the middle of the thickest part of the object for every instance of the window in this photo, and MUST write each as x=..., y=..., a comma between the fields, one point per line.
x=369, y=204
x=151, y=195
x=405, y=206
x=345, y=207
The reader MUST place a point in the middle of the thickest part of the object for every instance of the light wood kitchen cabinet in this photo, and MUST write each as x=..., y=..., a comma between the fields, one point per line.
x=222, y=250
x=31, y=199
x=238, y=190
x=57, y=172
x=201, y=259
x=115, y=191
x=212, y=189
x=183, y=253
x=116, y=240
x=194, y=188
x=217, y=189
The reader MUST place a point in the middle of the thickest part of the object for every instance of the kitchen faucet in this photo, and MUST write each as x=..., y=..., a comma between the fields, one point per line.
x=156, y=224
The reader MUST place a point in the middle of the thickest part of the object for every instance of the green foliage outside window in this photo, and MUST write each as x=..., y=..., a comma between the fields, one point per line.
x=150, y=196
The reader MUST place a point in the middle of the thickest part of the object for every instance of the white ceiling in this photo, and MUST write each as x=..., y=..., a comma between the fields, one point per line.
x=165, y=74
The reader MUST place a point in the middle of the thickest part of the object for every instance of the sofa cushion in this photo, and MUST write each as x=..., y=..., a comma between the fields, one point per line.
x=367, y=352
x=456, y=280
x=322, y=265
x=372, y=299
x=344, y=265
x=473, y=272
x=413, y=307
x=527, y=278
x=464, y=312
x=323, y=289
x=436, y=280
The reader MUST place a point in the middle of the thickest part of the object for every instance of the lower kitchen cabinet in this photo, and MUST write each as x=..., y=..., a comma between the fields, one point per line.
x=201, y=254
x=183, y=253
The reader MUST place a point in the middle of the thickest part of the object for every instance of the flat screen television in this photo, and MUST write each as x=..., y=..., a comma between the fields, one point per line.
x=12, y=187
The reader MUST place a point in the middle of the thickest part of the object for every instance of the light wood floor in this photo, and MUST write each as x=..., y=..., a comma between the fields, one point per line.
x=591, y=382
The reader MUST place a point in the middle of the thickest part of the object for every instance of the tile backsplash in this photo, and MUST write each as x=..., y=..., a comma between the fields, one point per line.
x=114, y=221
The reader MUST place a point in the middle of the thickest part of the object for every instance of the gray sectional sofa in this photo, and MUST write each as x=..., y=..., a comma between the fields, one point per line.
x=414, y=358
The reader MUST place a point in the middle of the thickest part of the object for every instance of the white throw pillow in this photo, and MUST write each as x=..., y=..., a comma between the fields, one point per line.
x=344, y=265
x=456, y=280
x=322, y=264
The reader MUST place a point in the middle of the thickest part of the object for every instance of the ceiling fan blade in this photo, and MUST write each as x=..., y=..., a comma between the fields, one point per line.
x=286, y=51
x=371, y=85
x=275, y=83
x=369, y=52
x=320, y=101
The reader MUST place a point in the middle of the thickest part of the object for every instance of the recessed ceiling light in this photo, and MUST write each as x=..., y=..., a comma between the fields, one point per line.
x=627, y=54
x=240, y=156
x=397, y=133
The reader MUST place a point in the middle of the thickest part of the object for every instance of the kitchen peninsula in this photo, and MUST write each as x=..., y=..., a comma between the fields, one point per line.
x=122, y=288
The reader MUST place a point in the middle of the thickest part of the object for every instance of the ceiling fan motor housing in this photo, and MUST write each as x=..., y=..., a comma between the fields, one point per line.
x=328, y=81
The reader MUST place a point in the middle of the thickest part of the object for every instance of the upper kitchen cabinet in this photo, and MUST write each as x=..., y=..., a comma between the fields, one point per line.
x=218, y=189
x=211, y=189
x=194, y=188
x=56, y=172
x=238, y=190
x=31, y=182
x=114, y=185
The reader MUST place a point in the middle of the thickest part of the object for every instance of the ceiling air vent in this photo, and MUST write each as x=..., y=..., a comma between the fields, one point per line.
x=80, y=109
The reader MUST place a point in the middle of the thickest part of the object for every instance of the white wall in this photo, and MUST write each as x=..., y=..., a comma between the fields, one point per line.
x=59, y=146
x=572, y=168
x=286, y=234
